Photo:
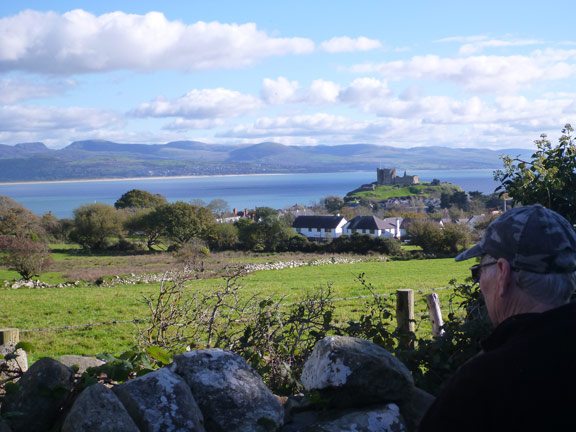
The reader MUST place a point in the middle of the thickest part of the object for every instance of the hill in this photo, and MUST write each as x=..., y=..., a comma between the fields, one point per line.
x=422, y=190
x=93, y=159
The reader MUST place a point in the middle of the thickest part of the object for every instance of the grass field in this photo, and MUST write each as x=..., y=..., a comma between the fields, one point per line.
x=31, y=309
x=420, y=190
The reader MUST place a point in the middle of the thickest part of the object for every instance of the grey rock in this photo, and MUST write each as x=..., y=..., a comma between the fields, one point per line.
x=97, y=409
x=384, y=419
x=414, y=409
x=20, y=363
x=230, y=394
x=352, y=372
x=41, y=394
x=81, y=362
x=161, y=402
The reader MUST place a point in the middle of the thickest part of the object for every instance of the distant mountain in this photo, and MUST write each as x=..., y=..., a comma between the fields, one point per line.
x=105, y=159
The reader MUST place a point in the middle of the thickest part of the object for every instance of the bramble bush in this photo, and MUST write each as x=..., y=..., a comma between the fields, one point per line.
x=276, y=338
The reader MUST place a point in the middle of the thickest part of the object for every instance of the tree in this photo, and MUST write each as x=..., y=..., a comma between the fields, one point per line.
x=181, y=221
x=145, y=223
x=332, y=203
x=94, y=224
x=223, y=236
x=137, y=198
x=455, y=237
x=24, y=255
x=15, y=219
x=426, y=234
x=265, y=213
x=548, y=178
x=218, y=206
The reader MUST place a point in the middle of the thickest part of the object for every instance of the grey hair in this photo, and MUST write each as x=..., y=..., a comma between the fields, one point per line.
x=552, y=289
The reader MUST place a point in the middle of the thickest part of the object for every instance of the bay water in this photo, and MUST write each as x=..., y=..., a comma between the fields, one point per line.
x=240, y=191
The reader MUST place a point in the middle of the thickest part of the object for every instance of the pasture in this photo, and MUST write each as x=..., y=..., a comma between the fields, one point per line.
x=37, y=312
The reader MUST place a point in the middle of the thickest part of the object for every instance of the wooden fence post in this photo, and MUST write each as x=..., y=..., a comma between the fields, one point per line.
x=435, y=314
x=405, y=317
x=9, y=336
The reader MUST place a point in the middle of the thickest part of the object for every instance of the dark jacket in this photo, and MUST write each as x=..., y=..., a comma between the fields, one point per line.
x=524, y=380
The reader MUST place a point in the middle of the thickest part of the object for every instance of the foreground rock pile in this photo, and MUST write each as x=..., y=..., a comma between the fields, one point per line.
x=351, y=385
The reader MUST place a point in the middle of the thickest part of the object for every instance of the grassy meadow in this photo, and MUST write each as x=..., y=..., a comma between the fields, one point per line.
x=31, y=309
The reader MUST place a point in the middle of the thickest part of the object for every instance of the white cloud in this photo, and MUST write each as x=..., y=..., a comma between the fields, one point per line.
x=477, y=46
x=182, y=125
x=480, y=73
x=323, y=92
x=306, y=125
x=363, y=90
x=347, y=44
x=42, y=119
x=278, y=91
x=15, y=90
x=201, y=104
x=80, y=42
x=462, y=39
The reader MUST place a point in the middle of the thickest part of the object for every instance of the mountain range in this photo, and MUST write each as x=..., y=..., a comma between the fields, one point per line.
x=96, y=159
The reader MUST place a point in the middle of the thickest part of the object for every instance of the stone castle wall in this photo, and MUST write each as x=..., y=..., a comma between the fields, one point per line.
x=388, y=177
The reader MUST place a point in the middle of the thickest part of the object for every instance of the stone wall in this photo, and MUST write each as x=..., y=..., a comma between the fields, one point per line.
x=350, y=384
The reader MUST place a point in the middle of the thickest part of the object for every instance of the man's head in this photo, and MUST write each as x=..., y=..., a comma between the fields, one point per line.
x=528, y=262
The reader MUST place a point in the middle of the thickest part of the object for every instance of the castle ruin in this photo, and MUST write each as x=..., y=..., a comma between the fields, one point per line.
x=388, y=177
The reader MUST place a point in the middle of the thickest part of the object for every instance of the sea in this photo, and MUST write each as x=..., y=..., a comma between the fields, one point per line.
x=240, y=191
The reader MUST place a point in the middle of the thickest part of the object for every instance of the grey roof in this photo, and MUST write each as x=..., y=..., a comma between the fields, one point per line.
x=369, y=222
x=317, y=221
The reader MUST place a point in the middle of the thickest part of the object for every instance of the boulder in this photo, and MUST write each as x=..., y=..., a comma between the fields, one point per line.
x=81, y=362
x=231, y=395
x=161, y=401
x=384, y=419
x=414, y=409
x=352, y=372
x=41, y=393
x=97, y=409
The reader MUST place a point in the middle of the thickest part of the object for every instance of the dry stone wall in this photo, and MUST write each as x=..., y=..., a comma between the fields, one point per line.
x=350, y=385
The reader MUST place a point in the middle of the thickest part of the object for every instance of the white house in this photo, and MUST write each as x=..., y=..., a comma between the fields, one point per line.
x=376, y=227
x=319, y=227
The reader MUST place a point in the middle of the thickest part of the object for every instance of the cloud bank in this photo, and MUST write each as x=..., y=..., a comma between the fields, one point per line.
x=80, y=42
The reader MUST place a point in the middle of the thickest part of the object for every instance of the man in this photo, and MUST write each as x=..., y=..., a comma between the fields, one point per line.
x=525, y=377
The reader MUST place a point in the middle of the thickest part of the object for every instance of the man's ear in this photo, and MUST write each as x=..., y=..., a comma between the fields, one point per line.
x=504, y=277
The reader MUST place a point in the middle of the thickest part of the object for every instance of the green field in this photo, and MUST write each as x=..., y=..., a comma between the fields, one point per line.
x=32, y=309
x=424, y=190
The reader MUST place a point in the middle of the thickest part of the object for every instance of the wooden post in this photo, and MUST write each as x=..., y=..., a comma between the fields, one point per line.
x=435, y=314
x=405, y=317
x=9, y=336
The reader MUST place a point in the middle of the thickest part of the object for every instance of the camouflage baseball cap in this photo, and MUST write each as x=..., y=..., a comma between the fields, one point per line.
x=531, y=238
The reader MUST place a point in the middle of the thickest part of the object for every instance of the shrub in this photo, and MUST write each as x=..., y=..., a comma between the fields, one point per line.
x=26, y=256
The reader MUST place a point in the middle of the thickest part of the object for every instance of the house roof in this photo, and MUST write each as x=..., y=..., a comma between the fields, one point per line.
x=317, y=221
x=368, y=222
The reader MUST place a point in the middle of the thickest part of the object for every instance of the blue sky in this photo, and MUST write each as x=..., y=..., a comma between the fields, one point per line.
x=451, y=73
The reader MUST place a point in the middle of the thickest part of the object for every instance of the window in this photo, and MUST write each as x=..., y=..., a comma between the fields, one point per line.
x=318, y=229
x=298, y=230
x=371, y=231
x=328, y=230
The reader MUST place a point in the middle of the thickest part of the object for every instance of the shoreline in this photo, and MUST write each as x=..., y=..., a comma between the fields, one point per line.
x=114, y=179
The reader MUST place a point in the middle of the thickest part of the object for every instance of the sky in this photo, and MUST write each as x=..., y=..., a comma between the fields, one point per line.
x=491, y=74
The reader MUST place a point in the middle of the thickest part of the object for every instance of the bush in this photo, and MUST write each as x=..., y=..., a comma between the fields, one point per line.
x=26, y=256
x=94, y=224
